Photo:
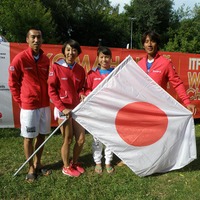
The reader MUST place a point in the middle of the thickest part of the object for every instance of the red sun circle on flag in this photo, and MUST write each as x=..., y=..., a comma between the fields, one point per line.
x=141, y=123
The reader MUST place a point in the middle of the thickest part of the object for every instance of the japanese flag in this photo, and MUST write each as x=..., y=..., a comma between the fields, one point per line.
x=139, y=121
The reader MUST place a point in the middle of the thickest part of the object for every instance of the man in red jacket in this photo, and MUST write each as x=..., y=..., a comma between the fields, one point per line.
x=28, y=74
x=161, y=69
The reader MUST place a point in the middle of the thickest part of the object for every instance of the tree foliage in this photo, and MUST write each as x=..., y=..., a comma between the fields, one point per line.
x=150, y=15
x=25, y=14
x=186, y=36
x=91, y=21
x=87, y=21
x=63, y=13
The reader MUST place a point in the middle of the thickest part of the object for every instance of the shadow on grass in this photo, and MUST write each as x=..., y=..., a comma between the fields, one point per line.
x=197, y=121
x=86, y=160
x=9, y=132
x=195, y=165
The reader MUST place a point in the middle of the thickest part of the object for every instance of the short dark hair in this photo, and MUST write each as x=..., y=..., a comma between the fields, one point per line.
x=152, y=35
x=33, y=28
x=74, y=44
x=104, y=50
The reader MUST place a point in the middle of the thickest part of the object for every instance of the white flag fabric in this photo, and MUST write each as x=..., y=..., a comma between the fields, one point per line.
x=139, y=121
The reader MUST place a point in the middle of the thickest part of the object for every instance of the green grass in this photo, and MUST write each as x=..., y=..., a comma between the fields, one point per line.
x=123, y=184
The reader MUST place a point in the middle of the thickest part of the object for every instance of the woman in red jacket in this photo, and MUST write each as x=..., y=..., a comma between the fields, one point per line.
x=161, y=69
x=66, y=81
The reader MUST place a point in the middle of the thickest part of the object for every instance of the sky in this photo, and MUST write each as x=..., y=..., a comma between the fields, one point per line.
x=177, y=3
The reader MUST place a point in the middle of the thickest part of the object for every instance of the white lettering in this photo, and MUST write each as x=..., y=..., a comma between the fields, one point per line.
x=194, y=63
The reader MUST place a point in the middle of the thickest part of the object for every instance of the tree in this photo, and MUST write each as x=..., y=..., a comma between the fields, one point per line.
x=93, y=22
x=149, y=14
x=25, y=14
x=82, y=20
x=88, y=21
x=64, y=14
x=97, y=20
x=119, y=33
x=186, y=36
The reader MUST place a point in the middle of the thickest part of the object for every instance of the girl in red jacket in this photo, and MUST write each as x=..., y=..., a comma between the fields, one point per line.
x=66, y=81
x=94, y=77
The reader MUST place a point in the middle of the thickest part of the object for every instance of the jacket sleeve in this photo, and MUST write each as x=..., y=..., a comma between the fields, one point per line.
x=88, y=84
x=82, y=84
x=178, y=85
x=14, y=80
x=53, y=89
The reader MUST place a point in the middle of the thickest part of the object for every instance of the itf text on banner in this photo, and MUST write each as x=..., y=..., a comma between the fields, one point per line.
x=139, y=121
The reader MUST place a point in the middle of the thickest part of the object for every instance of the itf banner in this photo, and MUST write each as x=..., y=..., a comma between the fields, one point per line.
x=187, y=66
x=139, y=121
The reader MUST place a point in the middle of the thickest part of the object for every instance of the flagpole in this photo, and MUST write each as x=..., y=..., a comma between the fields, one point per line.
x=40, y=146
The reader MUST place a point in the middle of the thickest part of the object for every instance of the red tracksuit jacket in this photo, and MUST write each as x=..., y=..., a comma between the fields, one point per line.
x=93, y=79
x=162, y=71
x=66, y=85
x=28, y=80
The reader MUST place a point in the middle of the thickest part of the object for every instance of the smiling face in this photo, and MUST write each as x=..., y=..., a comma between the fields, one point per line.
x=151, y=47
x=70, y=54
x=34, y=39
x=104, y=60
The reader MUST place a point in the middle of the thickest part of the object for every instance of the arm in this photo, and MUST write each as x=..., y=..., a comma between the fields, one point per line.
x=88, y=84
x=53, y=89
x=179, y=87
x=82, y=83
x=14, y=81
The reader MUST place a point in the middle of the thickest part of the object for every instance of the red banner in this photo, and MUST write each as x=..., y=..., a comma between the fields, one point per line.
x=186, y=65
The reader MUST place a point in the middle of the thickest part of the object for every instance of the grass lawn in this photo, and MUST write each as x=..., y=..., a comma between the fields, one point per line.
x=123, y=184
